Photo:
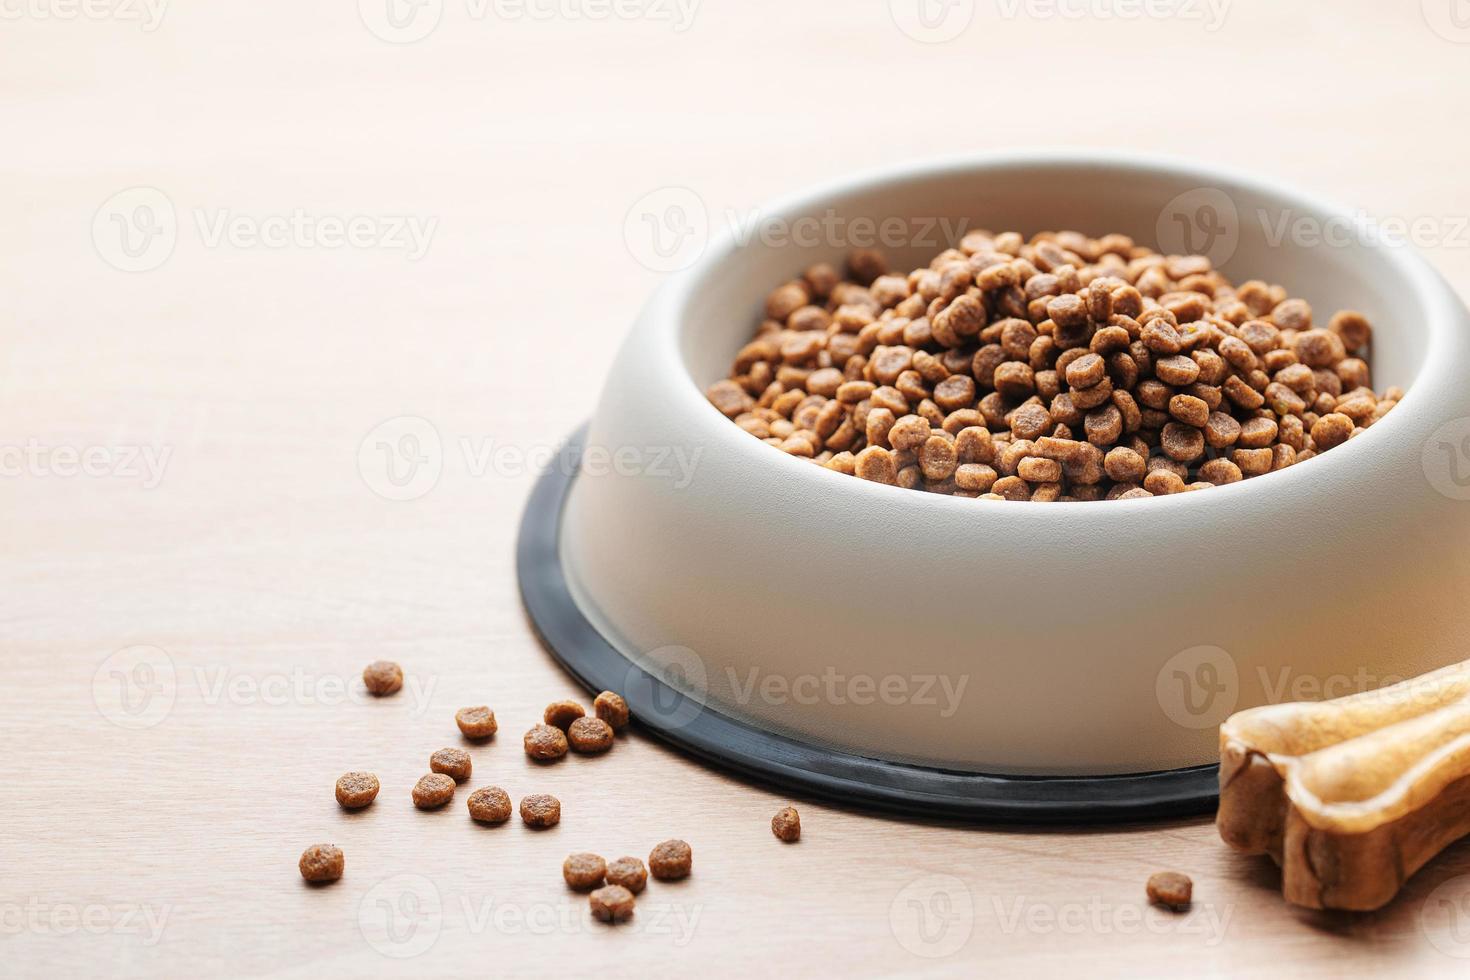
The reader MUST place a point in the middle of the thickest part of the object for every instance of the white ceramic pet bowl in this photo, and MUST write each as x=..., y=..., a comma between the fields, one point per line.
x=883, y=645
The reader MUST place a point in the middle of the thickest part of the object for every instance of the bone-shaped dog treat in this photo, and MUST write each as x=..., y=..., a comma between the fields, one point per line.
x=1351, y=796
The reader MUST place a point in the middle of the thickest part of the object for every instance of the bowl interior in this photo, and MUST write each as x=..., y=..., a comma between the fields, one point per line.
x=1252, y=229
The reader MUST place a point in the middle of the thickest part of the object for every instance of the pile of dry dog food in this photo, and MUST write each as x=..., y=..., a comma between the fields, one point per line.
x=1060, y=368
x=565, y=725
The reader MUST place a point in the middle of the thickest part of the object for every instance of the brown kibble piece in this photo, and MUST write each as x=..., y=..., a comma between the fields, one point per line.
x=321, y=863
x=612, y=709
x=1331, y=430
x=1125, y=465
x=671, y=860
x=561, y=714
x=1189, y=410
x=356, y=790
x=476, y=723
x=1177, y=369
x=540, y=810
x=490, y=804
x=1036, y=469
x=1170, y=889
x=590, y=735
x=1182, y=442
x=1220, y=472
x=786, y=824
x=382, y=677
x=937, y=458
x=628, y=872
x=584, y=871
x=613, y=903
x=866, y=264
x=1086, y=371
x=1352, y=328
x=729, y=398
x=454, y=763
x=544, y=742
x=1319, y=348
x=433, y=791
x=875, y=464
x=786, y=300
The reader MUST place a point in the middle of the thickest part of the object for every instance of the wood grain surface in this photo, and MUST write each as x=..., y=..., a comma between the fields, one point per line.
x=198, y=563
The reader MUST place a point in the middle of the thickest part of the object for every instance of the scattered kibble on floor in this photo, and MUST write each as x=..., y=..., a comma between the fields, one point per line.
x=454, y=763
x=382, y=677
x=540, y=810
x=671, y=860
x=490, y=804
x=1171, y=890
x=786, y=824
x=476, y=723
x=561, y=714
x=433, y=791
x=322, y=863
x=584, y=872
x=628, y=872
x=611, y=708
x=545, y=742
x=356, y=790
x=590, y=735
x=612, y=903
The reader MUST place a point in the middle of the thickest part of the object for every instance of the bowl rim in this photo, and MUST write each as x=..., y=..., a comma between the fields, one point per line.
x=674, y=303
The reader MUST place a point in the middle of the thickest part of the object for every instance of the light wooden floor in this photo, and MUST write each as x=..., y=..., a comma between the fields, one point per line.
x=159, y=834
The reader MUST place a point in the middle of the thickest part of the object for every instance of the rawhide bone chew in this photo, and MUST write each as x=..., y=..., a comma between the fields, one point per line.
x=1350, y=796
